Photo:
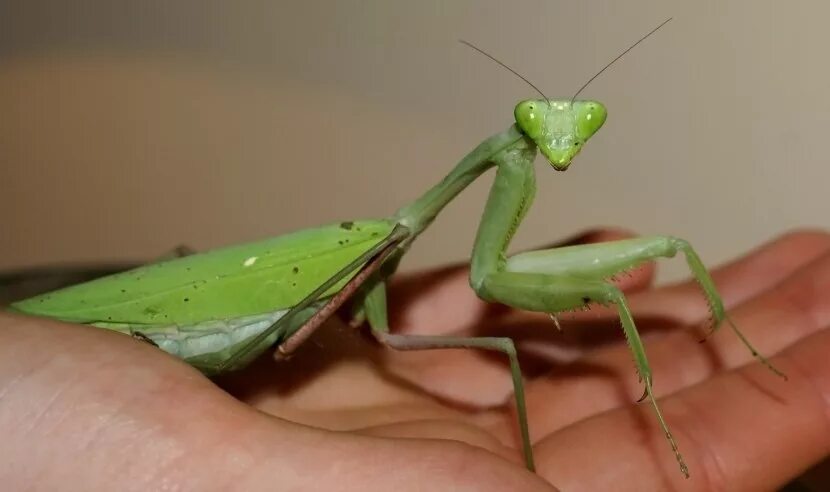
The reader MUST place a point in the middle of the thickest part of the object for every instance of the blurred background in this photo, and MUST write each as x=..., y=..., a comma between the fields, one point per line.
x=127, y=128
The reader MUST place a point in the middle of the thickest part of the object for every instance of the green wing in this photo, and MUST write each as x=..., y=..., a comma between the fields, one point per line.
x=230, y=282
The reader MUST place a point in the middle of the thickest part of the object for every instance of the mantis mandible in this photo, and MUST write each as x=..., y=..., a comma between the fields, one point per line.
x=221, y=309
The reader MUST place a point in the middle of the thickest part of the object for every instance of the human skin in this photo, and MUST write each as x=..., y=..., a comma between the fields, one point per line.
x=86, y=409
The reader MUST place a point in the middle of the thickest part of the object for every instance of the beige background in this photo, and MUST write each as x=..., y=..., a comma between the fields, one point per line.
x=129, y=127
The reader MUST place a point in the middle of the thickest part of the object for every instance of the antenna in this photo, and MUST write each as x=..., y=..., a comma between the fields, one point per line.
x=617, y=58
x=517, y=74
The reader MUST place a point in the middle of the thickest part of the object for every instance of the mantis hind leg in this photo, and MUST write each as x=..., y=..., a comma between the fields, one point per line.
x=374, y=306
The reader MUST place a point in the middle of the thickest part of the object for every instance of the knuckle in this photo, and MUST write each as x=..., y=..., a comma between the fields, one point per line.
x=806, y=237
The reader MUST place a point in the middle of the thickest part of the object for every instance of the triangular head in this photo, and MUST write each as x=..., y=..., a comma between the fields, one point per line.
x=560, y=127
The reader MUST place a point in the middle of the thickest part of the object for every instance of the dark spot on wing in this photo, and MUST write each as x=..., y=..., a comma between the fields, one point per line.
x=347, y=225
x=186, y=299
x=295, y=270
x=586, y=300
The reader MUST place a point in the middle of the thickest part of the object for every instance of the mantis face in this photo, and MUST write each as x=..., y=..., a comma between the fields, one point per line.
x=559, y=127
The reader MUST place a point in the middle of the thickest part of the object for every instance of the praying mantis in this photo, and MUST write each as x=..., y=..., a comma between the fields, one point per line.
x=221, y=309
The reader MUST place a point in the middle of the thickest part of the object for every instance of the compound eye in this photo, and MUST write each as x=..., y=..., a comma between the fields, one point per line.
x=530, y=117
x=590, y=117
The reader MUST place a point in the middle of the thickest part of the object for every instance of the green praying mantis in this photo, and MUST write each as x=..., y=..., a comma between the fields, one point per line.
x=221, y=309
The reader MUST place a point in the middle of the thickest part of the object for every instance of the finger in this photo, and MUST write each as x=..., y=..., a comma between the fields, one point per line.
x=370, y=463
x=449, y=429
x=738, y=280
x=798, y=307
x=742, y=429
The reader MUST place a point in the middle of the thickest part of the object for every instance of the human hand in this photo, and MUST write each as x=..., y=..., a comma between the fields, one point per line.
x=82, y=408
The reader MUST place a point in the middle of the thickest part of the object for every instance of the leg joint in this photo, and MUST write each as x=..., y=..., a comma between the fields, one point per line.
x=507, y=346
x=679, y=244
x=611, y=294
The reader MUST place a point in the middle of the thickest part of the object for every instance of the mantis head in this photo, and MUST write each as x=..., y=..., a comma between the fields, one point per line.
x=561, y=127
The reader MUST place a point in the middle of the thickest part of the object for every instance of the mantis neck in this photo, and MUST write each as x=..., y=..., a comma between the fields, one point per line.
x=419, y=214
